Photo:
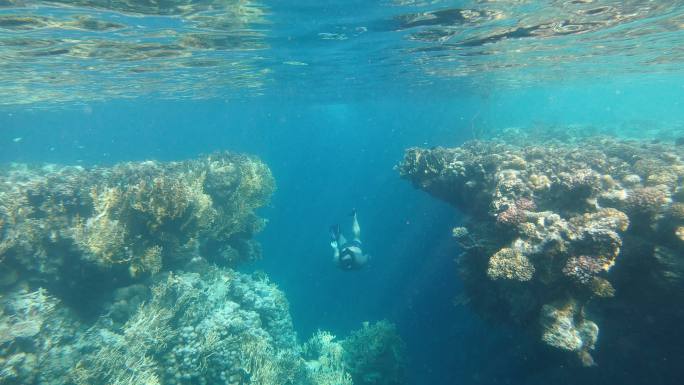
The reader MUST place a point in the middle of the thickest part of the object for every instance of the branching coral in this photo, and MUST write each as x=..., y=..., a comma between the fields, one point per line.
x=217, y=326
x=210, y=326
x=33, y=331
x=325, y=360
x=24, y=314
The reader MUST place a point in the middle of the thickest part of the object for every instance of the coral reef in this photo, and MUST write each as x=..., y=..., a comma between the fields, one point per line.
x=134, y=219
x=510, y=264
x=123, y=276
x=325, y=360
x=215, y=327
x=219, y=326
x=36, y=337
x=210, y=326
x=565, y=328
x=375, y=355
x=565, y=237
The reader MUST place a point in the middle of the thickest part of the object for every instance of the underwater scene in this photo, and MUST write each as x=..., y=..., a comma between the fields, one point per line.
x=341, y=192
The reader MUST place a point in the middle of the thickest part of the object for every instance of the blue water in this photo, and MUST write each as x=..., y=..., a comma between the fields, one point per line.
x=331, y=132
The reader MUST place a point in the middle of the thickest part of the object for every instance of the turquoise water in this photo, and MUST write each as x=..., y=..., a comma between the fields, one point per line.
x=329, y=95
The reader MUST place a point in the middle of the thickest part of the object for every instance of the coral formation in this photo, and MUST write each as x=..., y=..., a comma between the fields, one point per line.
x=211, y=326
x=565, y=328
x=510, y=264
x=564, y=233
x=325, y=360
x=584, y=268
x=516, y=213
x=375, y=355
x=215, y=327
x=123, y=276
x=130, y=220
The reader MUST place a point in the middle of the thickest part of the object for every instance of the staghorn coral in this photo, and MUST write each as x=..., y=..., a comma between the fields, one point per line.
x=374, y=354
x=24, y=314
x=599, y=227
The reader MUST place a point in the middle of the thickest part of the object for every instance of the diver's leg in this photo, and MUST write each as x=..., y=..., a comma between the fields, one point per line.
x=336, y=252
x=335, y=243
x=356, y=229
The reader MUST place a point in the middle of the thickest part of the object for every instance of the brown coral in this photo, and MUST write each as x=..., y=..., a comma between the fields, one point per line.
x=515, y=213
x=510, y=264
x=582, y=269
x=646, y=200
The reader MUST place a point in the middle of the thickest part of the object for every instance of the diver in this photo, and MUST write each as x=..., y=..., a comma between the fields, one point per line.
x=348, y=255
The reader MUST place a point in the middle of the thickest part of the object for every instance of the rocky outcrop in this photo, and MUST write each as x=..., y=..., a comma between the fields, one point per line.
x=562, y=239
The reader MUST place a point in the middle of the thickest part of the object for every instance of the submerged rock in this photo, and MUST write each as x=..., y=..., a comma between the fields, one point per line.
x=557, y=231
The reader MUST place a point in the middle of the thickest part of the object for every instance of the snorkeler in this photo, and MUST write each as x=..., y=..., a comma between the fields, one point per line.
x=348, y=255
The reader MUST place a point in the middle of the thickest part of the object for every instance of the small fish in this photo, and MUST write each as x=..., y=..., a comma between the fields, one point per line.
x=17, y=139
